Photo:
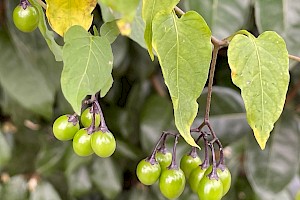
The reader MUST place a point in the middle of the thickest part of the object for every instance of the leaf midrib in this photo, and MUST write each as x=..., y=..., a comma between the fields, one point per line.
x=260, y=80
x=177, y=66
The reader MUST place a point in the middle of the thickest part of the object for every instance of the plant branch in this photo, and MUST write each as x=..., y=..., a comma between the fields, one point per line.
x=210, y=81
x=41, y=3
x=296, y=58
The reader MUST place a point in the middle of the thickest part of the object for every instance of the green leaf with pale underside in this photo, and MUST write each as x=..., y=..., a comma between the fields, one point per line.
x=260, y=68
x=149, y=10
x=87, y=66
x=183, y=48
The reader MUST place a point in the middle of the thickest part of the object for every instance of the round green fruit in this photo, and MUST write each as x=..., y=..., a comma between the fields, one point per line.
x=225, y=177
x=82, y=143
x=86, y=118
x=63, y=129
x=195, y=177
x=164, y=158
x=210, y=189
x=188, y=163
x=148, y=173
x=172, y=183
x=27, y=19
x=103, y=143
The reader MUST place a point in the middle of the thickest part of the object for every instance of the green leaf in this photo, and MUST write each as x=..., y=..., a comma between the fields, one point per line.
x=259, y=67
x=49, y=158
x=271, y=170
x=223, y=17
x=156, y=116
x=47, y=34
x=280, y=16
x=15, y=189
x=88, y=64
x=18, y=76
x=127, y=10
x=149, y=10
x=44, y=191
x=184, y=51
x=79, y=182
x=138, y=27
x=110, y=31
x=5, y=151
x=106, y=177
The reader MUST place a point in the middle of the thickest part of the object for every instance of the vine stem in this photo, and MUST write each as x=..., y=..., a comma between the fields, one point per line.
x=210, y=81
x=173, y=164
x=151, y=158
x=296, y=58
x=41, y=3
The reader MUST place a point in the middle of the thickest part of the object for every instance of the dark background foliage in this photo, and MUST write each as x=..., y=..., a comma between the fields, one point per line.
x=34, y=165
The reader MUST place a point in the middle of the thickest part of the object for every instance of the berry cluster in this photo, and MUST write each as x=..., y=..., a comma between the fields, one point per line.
x=208, y=181
x=94, y=137
x=25, y=16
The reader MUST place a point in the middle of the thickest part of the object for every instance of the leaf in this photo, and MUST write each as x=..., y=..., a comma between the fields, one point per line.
x=259, y=67
x=280, y=16
x=271, y=170
x=5, y=151
x=149, y=10
x=62, y=14
x=15, y=189
x=106, y=177
x=156, y=116
x=49, y=158
x=18, y=77
x=87, y=68
x=184, y=52
x=223, y=17
x=44, y=191
x=79, y=182
x=127, y=10
x=110, y=31
x=47, y=34
x=138, y=27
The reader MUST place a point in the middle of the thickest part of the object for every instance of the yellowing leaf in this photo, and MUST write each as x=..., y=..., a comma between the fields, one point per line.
x=260, y=68
x=62, y=14
x=127, y=9
x=183, y=48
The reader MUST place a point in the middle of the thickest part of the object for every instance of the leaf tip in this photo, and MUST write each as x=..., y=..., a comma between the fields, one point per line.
x=261, y=138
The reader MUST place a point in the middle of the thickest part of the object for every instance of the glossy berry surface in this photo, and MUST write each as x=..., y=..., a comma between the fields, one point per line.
x=148, y=173
x=82, y=143
x=164, y=158
x=188, y=163
x=210, y=189
x=195, y=177
x=63, y=129
x=172, y=183
x=87, y=117
x=27, y=19
x=103, y=143
x=225, y=177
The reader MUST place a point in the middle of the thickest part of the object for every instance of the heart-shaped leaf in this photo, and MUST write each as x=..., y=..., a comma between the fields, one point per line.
x=62, y=14
x=183, y=48
x=260, y=68
x=87, y=68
